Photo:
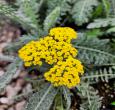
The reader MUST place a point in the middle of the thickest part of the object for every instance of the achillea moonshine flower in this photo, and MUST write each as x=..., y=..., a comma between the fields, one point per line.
x=55, y=49
x=65, y=73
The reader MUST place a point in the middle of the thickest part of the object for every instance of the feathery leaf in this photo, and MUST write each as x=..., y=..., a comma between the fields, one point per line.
x=51, y=19
x=82, y=10
x=98, y=23
x=11, y=70
x=89, y=97
x=42, y=99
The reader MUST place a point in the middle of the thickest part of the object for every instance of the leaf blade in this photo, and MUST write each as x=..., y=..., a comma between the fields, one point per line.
x=82, y=10
x=44, y=96
x=67, y=97
x=52, y=18
x=6, y=78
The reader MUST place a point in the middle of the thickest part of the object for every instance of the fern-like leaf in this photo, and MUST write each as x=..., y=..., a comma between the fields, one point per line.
x=51, y=19
x=6, y=58
x=11, y=70
x=42, y=99
x=98, y=23
x=103, y=74
x=11, y=13
x=82, y=10
x=28, y=9
x=94, y=51
x=98, y=56
x=65, y=5
x=89, y=97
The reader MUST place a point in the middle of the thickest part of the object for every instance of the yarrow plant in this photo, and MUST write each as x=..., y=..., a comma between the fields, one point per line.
x=56, y=50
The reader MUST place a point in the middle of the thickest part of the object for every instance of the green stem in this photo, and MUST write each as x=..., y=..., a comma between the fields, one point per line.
x=106, y=10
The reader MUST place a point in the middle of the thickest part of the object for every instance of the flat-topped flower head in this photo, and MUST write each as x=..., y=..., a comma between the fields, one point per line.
x=65, y=34
x=65, y=73
x=48, y=49
x=56, y=50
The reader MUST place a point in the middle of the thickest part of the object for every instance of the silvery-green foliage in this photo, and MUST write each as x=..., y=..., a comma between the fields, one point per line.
x=100, y=73
x=52, y=18
x=42, y=99
x=98, y=23
x=89, y=97
x=11, y=13
x=65, y=8
x=25, y=14
x=98, y=57
x=11, y=70
x=6, y=58
x=33, y=3
x=21, y=41
x=92, y=50
x=28, y=9
x=65, y=5
x=112, y=2
x=67, y=96
x=58, y=102
x=111, y=30
x=82, y=10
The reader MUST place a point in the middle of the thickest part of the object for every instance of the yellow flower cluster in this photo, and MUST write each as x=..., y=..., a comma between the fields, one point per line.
x=55, y=49
x=65, y=73
x=48, y=49
x=65, y=34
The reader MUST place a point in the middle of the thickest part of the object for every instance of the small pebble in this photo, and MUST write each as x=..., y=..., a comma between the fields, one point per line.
x=1, y=72
x=10, y=91
x=11, y=108
x=4, y=100
x=20, y=105
x=28, y=88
